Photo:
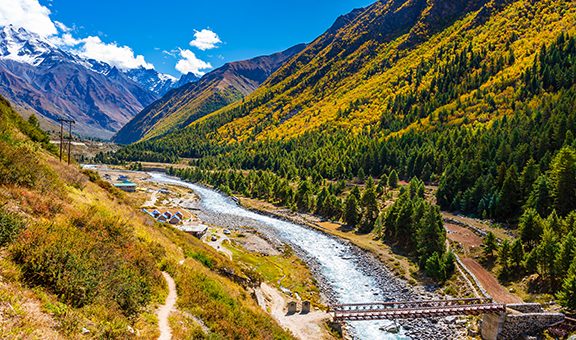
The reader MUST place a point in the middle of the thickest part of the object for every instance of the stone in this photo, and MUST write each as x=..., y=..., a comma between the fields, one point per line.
x=291, y=307
x=390, y=329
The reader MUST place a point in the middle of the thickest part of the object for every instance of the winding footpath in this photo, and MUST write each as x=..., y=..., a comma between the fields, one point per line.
x=164, y=311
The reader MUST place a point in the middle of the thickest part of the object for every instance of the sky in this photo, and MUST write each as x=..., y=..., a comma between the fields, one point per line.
x=175, y=36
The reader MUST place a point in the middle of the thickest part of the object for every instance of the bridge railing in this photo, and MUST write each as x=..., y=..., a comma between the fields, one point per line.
x=370, y=306
x=414, y=309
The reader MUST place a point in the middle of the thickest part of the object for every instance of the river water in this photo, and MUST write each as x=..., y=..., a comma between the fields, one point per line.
x=343, y=269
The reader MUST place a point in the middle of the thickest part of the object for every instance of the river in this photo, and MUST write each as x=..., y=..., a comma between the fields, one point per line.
x=344, y=270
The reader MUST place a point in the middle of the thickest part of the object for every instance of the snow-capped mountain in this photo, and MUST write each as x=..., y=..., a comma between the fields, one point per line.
x=19, y=45
x=159, y=83
x=39, y=76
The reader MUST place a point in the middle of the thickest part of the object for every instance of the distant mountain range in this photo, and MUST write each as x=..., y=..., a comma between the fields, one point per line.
x=186, y=104
x=42, y=78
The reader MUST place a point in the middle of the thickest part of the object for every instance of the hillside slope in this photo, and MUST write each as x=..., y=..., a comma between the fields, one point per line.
x=397, y=63
x=77, y=260
x=216, y=89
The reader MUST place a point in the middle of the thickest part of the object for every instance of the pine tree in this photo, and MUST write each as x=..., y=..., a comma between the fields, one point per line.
x=370, y=209
x=351, y=213
x=567, y=294
x=510, y=195
x=566, y=254
x=504, y=257
x=530, y=228
x=563, y=177
x=304, y=198
x=528, y=177
x=540, y=198
x=517, y=253
x=393, y=179
x=489, y=245
x=431, y=235
x=546, y=252
x=361, y=175
x=382, y=184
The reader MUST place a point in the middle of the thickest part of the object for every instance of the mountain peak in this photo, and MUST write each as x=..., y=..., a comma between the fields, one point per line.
x=18, y=44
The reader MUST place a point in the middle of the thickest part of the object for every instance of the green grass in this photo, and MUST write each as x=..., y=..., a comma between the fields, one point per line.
x=285, y=270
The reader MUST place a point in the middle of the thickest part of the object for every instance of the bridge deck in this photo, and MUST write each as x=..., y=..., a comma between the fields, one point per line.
x=414, y=309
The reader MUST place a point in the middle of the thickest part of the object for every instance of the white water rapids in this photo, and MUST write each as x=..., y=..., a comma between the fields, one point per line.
x=336, y=260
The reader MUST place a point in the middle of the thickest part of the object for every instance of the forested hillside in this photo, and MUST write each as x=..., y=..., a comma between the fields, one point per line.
x=475, y=97
x=182, y=106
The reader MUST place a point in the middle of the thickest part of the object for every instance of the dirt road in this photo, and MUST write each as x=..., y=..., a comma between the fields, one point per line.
x=498, y=292
x=165, y=310
x=218, y=243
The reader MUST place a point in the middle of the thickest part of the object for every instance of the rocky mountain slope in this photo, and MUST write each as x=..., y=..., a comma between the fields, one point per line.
x=44, y=79
x=215, y=90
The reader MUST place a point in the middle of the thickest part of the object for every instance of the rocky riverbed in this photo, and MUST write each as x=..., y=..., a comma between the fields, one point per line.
x=345, y=273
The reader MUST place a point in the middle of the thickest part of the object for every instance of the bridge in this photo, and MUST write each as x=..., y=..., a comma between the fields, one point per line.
x=499, y=321
x=414, y=309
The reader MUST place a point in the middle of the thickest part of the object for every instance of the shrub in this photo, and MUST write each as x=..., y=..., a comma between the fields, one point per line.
x=10, y=226
x=94, y=256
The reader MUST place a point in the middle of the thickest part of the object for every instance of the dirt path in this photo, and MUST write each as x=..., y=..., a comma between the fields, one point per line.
x=165, y=310
x=498, y=292
x=303, y=326
x=218, y=243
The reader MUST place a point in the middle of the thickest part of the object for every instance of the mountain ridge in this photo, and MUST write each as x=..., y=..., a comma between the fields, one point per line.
x=216, y=89
x=38, y=76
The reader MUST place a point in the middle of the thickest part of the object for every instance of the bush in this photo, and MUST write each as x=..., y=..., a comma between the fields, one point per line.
x=10, y=226
x=95, y=256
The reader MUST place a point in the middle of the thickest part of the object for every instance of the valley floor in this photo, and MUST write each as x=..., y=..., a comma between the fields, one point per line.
x=242, y=245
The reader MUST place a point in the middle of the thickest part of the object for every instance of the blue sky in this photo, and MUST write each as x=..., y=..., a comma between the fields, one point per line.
x=156, y=29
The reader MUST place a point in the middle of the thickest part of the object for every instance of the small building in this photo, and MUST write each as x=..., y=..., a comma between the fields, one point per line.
x=197, y=231
x=168, y=215
x=155, y=214
x=126, y=186
x=179, y=214
x=123, y=178
x=175, y=220
x=162, y=219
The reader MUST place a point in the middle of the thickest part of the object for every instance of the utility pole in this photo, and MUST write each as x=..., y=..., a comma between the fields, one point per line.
x=69, y=139
x=61, y=138
x=70, y=122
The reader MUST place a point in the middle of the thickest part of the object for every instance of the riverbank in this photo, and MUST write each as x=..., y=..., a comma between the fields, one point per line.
x=402, y=267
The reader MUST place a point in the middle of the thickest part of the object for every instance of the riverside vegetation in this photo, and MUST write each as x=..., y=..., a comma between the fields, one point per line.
x=475, y=98
x=76, y=258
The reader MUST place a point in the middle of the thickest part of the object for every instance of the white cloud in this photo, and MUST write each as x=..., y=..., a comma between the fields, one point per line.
x=122, y=57
x=205, y=40
x=62, y=27
x=65, y=40
x=34, y=17
x=191, y=63
x=28, y=14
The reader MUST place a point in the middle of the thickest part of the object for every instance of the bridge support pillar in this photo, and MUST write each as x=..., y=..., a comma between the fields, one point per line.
x=519, y=322
x=492, y=324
